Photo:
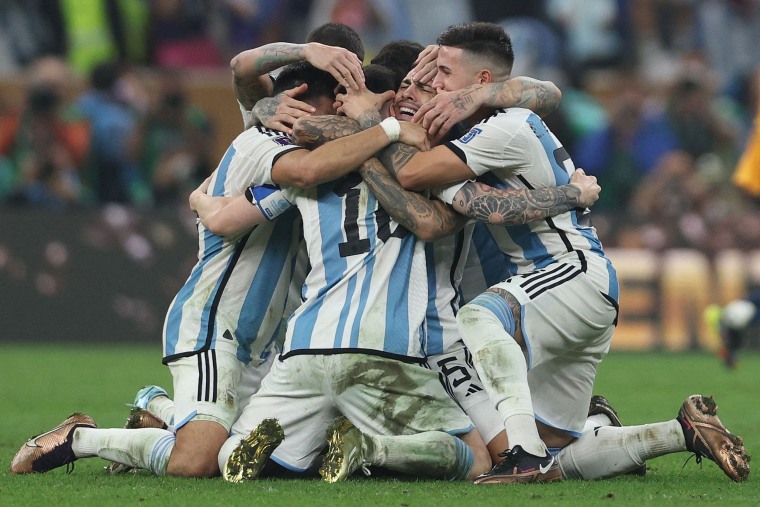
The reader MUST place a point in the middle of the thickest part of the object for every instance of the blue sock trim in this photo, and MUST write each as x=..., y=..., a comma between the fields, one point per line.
x=464, y=460
x=159, y=455
x=554, y=450
x=499, y=307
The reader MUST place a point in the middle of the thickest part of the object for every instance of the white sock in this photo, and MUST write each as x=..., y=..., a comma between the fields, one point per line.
x=162, y=407
x=500, y=363
x=433, y=454
x=608, y=451
x=148, y=448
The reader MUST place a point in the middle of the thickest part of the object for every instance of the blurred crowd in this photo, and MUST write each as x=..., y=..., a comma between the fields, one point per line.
x=659, y=98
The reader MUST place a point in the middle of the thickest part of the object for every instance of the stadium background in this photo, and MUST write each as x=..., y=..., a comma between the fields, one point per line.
x=680, y=230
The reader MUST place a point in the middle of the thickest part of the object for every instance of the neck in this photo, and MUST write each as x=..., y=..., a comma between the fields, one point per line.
x=478, y=116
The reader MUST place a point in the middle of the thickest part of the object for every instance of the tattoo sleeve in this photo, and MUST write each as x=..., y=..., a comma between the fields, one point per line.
x=313, y=131
x=410, y=209
x=265, y=109
x=513, y=206
x=246, y=70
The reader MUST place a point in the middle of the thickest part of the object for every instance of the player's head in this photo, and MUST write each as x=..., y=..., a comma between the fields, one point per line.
x=320, y=92
x=410, y=96
x=398, y=56
x=340, y=35
x=473, y=53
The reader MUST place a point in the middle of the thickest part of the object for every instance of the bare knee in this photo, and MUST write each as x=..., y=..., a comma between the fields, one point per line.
x=196, y=450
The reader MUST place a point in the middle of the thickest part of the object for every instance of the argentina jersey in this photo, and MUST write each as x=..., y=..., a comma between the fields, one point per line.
x=445, y=258
x=366, y=291
x=235, y=295
x=513, y=148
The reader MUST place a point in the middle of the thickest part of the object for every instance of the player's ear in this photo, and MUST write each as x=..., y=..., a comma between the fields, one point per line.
x=485, y=76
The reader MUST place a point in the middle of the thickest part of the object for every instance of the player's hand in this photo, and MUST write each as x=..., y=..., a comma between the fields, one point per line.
x=355, y=103
x=281, y=111
x=344, y=65
x=414, y=135
x=196, y=195
x=588, y=186
x=446, y=109
x=425, y=68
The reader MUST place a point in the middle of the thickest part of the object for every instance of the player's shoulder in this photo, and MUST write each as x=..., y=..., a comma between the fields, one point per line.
x=258, y=135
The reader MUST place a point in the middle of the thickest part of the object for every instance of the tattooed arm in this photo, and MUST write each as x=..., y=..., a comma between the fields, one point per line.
x=447, y=109
x=427, y=219
x=520, y=206
x=250, y=68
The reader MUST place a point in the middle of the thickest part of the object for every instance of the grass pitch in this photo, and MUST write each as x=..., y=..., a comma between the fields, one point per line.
x=42, y=385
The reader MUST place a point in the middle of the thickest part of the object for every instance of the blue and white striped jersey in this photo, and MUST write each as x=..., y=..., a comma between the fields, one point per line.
x=367, y=288
x=445, y=264
x=237, y=291
x=513, y=148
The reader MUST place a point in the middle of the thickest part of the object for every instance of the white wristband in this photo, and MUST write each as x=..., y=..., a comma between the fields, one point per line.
x=392, y=128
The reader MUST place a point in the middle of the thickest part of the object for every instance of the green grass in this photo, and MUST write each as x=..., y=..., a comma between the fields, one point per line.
x=43, y=385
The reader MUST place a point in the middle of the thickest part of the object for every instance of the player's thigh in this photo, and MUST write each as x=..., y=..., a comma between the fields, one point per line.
x=389, y=397
x=569, y=314
x=561, y=390
x=293, y=393
x=205, y=388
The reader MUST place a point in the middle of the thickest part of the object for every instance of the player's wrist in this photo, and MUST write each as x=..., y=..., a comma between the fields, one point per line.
x=392, y=128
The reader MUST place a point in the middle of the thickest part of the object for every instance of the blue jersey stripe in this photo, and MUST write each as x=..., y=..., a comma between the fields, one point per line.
x=265, y=282
x=370, y=265
x=552, y=149
x=434, y=343
x=397, y=316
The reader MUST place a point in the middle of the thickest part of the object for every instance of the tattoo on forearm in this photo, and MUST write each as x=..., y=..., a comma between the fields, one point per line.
x=514, y=207
x=369, y=119
x=410, y=209
x=265, y=109
x=546, y=101
x=313, y=131
x=395, y=156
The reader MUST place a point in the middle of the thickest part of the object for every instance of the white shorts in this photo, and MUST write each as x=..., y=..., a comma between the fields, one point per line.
x=567, y=325
x=461, y=381
x=380, y=396
x=214, y=385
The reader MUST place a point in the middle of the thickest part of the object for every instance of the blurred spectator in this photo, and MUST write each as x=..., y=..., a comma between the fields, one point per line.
x=43, y=147
x=179, y=35
x=173, y=144
x=29, y=31
x=93, y=32
x=726, y=32
x=246, y=24
x=112, y=174
x=694, y=114
x=596, y=33
x=637, y=135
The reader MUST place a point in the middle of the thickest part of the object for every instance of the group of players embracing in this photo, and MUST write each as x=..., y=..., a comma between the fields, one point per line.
x=396, y=269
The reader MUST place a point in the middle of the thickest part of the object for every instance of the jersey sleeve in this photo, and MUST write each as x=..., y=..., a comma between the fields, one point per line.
x=486, y=146
x=253, y=154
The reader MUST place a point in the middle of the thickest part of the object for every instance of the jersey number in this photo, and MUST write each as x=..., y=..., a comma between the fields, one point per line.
x=355, y=244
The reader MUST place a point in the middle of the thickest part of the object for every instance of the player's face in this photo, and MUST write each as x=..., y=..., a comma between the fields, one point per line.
x=454, y=70
x=410, y=96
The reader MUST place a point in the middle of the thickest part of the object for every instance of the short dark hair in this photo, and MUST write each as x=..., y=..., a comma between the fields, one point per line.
x=340, y=35
x=321, y=83
x=399, y=56
x=484, y=39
